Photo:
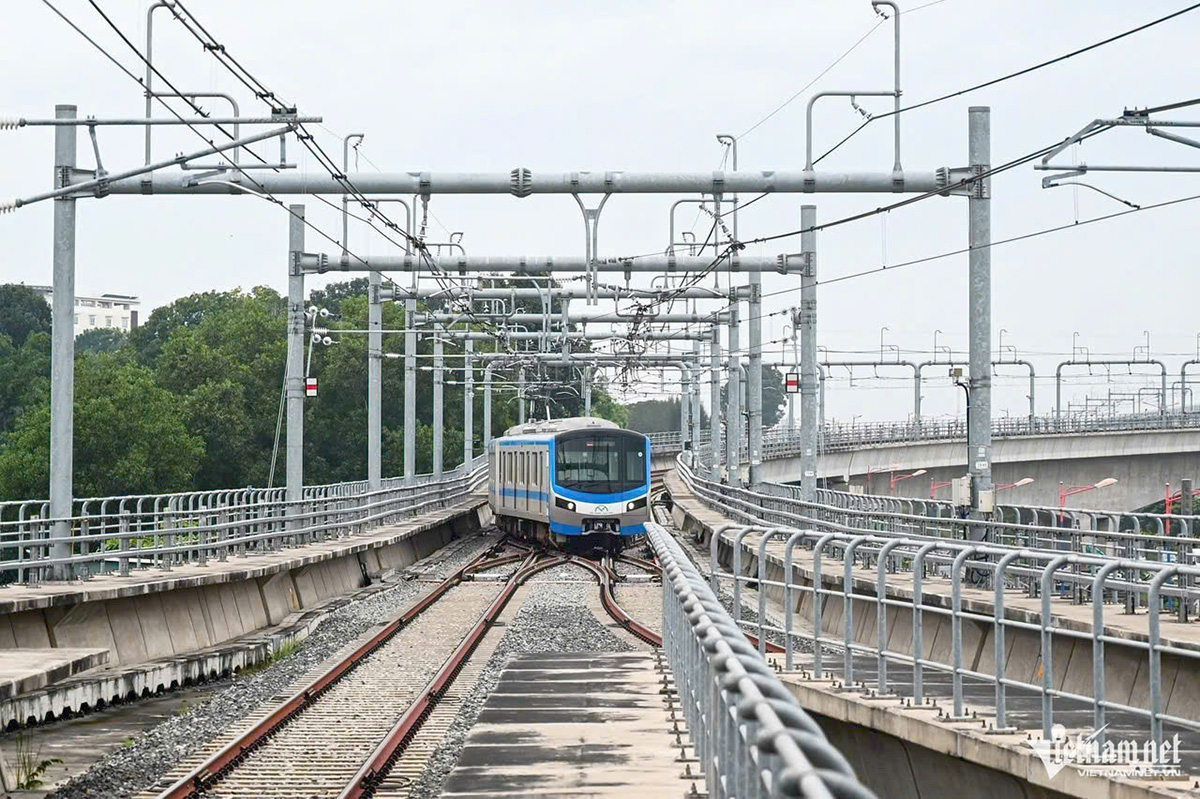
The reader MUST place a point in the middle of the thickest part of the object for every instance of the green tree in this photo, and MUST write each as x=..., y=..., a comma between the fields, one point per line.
x=100, y=339
x=130, y=437
x=774, y=398
x=24, y=376
x=149, y=338
x=654, y=416
x=22, y=311
x=330, y=298
x=227, y=361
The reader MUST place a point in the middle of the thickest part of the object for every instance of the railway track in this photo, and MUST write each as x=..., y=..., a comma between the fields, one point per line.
x=368, y=724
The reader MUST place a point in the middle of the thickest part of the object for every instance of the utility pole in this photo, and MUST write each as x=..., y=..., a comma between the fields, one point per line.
x=733, y=395
x=374, y=384
x=468, y=403
x=754, y=379
x=979, y=431
x=810, y=415
x=62, y=353
x=438, y=410
x=295, y=365
x=410, y=391
x=714, y=404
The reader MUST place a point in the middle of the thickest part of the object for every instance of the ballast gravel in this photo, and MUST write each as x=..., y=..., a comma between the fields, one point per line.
x=554, y=618
x=133, y=768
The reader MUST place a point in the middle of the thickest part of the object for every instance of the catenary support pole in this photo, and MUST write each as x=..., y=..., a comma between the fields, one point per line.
x=810, y=414
x=438, y=411
x=714, y=404
x=754, y=379
x=468, y=402
x=62, y=351
x=733, y=396
x=487, y=405
x=410, y=392
x=587, y=390
x=295, y=365
x=694, y=399
x=374, y=385
x=521, y=395
x=685, y=410
x=979, y=432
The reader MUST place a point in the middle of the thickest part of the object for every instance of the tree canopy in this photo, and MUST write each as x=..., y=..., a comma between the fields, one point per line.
x=192, y=398
x=22, y=312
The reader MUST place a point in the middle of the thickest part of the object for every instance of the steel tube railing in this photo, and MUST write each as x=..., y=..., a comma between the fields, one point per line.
x=958, y=565
x=138, y=532
x=751, y=735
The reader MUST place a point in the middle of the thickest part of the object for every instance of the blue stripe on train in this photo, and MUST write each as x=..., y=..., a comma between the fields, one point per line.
x=521, y=492
x=576, y=529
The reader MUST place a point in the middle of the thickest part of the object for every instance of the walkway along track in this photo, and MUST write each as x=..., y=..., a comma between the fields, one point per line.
x=222, y=774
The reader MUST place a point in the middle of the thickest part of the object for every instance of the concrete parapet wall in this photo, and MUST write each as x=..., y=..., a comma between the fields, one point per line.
x=163, y=633
x=910, y=753
x=1141, y=460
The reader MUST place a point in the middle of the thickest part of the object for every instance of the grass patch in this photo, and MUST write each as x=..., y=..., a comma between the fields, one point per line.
x=30, y=765
x=288, y=649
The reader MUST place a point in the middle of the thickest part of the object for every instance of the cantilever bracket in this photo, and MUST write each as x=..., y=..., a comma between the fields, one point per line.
x=1050, y=181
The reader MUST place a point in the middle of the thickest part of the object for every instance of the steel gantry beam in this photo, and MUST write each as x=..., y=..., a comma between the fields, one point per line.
x=452, y=265
x=472, y=294
x=599, y=319
x=524, y=183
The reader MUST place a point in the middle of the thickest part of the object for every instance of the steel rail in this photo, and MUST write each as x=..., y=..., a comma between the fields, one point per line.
x=202, y=778
x=604, y=575
x=376, y=769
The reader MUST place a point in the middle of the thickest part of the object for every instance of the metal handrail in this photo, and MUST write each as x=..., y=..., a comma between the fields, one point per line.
x=163, y=530
x=1048, y=573
x=750, y=734
x=840, y=436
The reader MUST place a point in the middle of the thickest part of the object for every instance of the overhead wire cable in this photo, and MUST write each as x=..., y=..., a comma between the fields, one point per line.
x=1011, y=75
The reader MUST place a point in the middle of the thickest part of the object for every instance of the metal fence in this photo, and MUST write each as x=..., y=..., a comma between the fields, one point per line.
x=954, y=561
x=840, y=436
x=1152, y=536
x=750, y=734
x=163, y=530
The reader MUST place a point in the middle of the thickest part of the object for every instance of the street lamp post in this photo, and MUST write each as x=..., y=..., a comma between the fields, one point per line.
x=1024, y=481
x=896, y=478
x=1065, y=491
x=876, y=470
x=936, y=486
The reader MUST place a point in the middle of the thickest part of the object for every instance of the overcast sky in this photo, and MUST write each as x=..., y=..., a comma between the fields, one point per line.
x=646, y=86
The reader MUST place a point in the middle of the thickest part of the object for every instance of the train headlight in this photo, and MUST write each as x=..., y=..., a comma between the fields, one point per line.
x=565, y=504
x=635, y=504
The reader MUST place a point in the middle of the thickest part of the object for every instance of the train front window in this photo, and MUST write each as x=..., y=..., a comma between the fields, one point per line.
x=601, y=464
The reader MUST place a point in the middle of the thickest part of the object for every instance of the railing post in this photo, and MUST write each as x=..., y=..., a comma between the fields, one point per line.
x=123, y=542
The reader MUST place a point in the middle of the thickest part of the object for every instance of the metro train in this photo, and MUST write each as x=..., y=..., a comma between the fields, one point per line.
x=580, y=483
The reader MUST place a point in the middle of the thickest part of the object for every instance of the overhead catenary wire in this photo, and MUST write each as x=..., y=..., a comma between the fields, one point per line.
x=830, y=67
x=1011, y=75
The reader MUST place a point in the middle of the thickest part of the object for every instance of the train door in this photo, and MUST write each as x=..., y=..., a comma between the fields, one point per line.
x=524, y=481
x=544, y=483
